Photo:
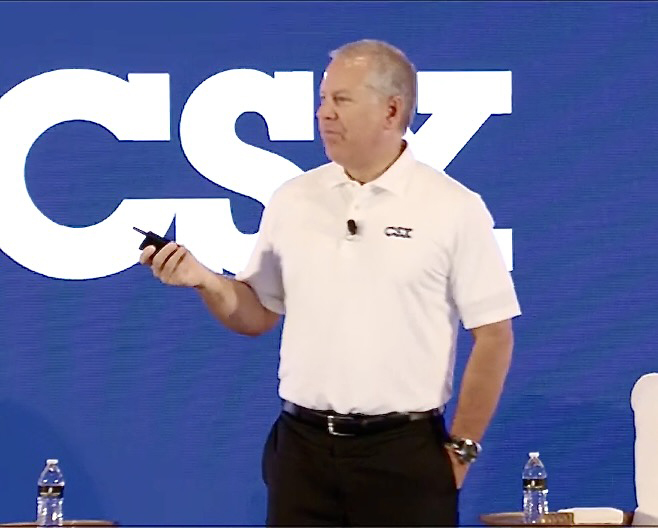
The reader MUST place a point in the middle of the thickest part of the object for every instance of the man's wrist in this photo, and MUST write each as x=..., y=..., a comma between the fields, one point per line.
x=207, y=281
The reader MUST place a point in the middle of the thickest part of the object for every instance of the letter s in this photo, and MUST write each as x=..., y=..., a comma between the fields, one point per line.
x=208, y=138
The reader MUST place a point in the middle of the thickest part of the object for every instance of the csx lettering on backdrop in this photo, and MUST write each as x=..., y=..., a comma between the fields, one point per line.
x=139, y=110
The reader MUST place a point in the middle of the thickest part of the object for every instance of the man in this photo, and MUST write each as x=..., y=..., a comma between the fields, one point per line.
x=374, y=258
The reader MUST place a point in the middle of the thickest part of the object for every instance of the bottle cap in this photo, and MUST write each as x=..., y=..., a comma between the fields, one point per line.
x=534, y=454
x=52, y=461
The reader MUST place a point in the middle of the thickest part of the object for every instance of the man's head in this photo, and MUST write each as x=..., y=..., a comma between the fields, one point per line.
x=367, y=101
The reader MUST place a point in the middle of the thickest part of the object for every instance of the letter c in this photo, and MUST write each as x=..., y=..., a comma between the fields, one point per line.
x=133, y=110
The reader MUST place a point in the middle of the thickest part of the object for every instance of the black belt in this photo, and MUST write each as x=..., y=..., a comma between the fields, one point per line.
x=354, y=424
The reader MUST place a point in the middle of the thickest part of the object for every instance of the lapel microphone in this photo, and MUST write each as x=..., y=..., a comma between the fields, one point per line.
x=351, y=227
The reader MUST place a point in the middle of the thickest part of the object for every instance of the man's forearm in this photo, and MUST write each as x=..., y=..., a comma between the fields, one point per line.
x=482, y=382
x=236, y=305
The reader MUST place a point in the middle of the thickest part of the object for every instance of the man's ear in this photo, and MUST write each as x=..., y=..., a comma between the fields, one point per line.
x=394, y=112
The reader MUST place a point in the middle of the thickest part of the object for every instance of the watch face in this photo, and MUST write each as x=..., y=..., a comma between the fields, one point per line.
x=467, y=450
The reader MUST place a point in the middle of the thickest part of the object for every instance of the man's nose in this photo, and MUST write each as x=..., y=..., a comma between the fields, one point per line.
x=325, y=111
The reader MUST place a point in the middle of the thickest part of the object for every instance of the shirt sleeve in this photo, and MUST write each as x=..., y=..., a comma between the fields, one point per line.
x=263, y=270
x=482, y=287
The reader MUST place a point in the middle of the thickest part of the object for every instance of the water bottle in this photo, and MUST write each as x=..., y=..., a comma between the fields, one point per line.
x=50, y=495
x=535, y=490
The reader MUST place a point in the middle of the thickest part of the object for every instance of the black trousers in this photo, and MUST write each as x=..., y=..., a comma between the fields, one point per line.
x=398, y=477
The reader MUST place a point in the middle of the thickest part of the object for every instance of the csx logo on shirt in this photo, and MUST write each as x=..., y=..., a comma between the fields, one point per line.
x=402, y=232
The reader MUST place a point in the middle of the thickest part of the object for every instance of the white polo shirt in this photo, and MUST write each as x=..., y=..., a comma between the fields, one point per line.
x=371, y=319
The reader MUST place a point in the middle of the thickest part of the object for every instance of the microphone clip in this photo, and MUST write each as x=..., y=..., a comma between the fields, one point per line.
x=351, y=227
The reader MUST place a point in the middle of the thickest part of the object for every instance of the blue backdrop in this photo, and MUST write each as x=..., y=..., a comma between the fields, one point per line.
x=158, y=414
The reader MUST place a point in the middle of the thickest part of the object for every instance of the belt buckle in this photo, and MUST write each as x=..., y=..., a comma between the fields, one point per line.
x=330, y=427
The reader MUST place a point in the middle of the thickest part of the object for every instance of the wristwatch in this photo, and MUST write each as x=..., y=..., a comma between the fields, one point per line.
x=467, y=450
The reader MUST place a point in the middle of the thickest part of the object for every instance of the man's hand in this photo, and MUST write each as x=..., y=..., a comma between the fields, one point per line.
x=175, y=265
x=458, y=468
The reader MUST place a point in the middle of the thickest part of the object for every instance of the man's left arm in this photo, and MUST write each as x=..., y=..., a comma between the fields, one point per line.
x=481, y=386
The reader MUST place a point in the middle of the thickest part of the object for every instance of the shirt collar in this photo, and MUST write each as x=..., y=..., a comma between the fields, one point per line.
x=394, y=180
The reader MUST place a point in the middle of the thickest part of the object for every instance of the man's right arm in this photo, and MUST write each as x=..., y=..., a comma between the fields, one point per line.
x=232, y=302
x=236, y=305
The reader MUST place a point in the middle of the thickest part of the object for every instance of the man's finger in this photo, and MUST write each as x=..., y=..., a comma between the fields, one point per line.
x=162, y=256
x=172, y=263
x=146, y=255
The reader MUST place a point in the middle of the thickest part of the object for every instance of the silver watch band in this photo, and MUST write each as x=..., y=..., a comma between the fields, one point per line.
x=467, y=450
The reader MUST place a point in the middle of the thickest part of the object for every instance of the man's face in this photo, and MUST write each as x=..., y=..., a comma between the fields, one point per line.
x=352, y=116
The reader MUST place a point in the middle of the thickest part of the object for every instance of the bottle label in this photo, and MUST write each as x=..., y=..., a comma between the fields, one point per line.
x=51, y=492
x=534, y=484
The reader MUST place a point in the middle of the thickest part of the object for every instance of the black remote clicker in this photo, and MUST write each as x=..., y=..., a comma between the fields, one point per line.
x=152, y=240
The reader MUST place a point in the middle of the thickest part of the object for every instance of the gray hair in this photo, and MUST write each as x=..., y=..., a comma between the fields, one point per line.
x=393, y=73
